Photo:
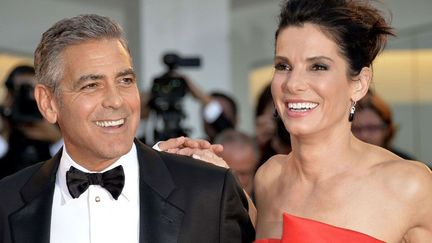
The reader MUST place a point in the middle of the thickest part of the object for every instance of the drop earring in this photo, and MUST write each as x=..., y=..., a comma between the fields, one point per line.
x=352, y=111
x=275, y=113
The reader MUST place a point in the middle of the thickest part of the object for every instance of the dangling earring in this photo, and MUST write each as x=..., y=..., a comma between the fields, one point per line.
x=275, y=113
x=352, y=111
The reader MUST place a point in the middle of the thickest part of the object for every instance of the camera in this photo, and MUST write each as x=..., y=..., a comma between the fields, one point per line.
x=24, y=108
x=167, y=94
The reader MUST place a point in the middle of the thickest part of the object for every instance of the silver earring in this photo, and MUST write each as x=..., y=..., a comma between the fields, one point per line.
x=352, y=111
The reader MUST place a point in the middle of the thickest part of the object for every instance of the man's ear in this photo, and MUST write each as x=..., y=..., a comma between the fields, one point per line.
x=46, y=102
x=361, y=84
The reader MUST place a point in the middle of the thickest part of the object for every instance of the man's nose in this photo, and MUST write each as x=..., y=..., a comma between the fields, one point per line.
x=112, y=97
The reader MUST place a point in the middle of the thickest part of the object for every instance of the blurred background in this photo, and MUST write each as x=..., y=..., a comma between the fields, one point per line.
x=234, y=42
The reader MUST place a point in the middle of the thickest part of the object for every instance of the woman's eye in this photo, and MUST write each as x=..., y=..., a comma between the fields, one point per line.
x=282, y=67
x=319, y=67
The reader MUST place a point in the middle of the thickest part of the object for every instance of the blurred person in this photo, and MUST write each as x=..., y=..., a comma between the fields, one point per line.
x=219, y=110
x=373, y=123
x=241, y=156
x=281, y=141
x=105, y=185
x=27, y=136
x=219, y=114
x=333, y=187
x=271, y=136
x=265, y=125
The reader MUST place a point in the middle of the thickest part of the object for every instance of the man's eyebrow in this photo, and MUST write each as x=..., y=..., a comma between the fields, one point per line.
x=126, y=72
x=87, y=77
x=90, y=77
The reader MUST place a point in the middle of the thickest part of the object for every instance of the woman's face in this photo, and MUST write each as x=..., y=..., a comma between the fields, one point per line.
x=311, y=89
x=369, y=127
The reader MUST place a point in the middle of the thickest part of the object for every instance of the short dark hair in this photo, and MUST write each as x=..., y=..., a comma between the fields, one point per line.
x=358, y=28
x=18, y=70
x=229, y=99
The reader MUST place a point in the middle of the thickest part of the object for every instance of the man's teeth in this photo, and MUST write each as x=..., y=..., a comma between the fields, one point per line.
x=110, y=123
x=302, y=106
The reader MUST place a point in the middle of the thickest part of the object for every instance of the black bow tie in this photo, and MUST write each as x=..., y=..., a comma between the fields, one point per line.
x=112, y=180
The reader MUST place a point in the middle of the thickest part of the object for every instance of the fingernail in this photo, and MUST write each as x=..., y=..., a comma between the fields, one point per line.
x=196, y=156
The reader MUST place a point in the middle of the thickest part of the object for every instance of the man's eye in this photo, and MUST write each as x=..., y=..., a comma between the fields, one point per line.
x=90, y=86
x=127, y=80
x=319, y=67
x=282, y=67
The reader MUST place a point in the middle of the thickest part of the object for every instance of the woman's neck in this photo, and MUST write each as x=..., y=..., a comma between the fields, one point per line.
x=320, y=158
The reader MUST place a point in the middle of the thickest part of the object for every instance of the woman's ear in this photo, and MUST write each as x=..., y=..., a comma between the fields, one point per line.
x=361, y=84
x=46, y=102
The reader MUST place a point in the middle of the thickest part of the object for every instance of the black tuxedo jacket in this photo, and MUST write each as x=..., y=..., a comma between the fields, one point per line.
x=181, y=200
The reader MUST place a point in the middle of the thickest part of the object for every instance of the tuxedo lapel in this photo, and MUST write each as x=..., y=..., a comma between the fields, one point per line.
x=160, y=218
x=31, y=224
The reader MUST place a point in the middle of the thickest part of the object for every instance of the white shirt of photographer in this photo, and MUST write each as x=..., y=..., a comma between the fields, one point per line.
x=96, y=217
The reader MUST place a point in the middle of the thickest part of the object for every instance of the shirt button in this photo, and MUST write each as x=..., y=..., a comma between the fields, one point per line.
x=97, y=199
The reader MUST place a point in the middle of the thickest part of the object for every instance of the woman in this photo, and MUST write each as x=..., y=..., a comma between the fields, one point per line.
x=373, y=123
x=265, y=124
x=333, y=187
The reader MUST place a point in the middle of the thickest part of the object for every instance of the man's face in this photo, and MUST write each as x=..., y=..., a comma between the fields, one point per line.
x=98, y=109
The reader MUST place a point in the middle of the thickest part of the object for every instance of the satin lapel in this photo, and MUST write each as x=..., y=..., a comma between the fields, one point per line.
x=160, y=219
x=31, y=224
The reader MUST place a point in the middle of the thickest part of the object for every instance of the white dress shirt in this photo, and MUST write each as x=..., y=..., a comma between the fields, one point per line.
x=95, y=216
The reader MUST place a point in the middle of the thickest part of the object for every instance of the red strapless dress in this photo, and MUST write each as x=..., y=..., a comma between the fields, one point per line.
x=302, y=230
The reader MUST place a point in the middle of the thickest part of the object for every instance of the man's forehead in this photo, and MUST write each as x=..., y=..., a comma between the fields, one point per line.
x=97, y=58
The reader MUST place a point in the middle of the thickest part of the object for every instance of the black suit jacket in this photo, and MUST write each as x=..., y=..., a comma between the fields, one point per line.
x=181, y=200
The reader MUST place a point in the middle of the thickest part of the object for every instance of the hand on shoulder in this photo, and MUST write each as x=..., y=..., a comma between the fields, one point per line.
x=196, y=148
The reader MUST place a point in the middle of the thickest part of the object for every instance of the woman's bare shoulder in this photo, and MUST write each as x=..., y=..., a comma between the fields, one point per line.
x=408, y=180
x=269, y=173
x=271, y=167
x=410, y=183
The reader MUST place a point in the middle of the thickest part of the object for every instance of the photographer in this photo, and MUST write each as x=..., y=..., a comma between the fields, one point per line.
x=219, y=110
x=29, y=138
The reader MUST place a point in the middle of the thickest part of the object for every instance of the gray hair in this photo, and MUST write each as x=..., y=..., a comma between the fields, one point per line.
x=70, y=31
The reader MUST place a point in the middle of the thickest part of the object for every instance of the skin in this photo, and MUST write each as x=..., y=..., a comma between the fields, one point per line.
x=98, y=85
x=330, y=176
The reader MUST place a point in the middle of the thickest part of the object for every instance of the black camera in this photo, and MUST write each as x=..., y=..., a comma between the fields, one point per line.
x=24, y=108
x=167, y=94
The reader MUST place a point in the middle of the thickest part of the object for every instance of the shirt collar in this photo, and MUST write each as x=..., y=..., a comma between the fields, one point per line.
x=129, y=161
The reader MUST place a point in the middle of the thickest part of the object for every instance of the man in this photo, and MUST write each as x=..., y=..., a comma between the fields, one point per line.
x=241, y=155
x=87, y=85
x=219, y=114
